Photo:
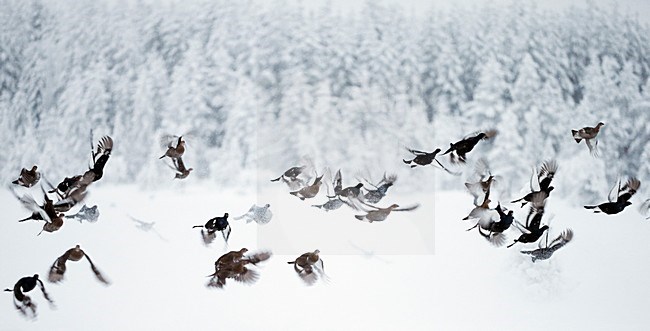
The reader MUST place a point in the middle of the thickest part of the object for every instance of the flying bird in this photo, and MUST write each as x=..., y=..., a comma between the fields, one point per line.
x=332, y=204
x=100, y=157
x=259, y=215
x=540, y=183
x=212, y=226
x=28, y=178
x=421, y=158
x=86, y=214
x=291, y=174
x=545, y=252
x=533, y=230
x=65, y=186
x=310, y=191
x=379, y=192
x=237, y=266
x=179, y=166
x=495, y=229
x=309, y=267
x=147, y=227
x=22, y=301
x=58, y=268
x=426, y=158
x=589, y=134
x=460, y=148
x=481, y=187
x=175, y=151
x=380, y=214
x=618, y=197
x=46, y=212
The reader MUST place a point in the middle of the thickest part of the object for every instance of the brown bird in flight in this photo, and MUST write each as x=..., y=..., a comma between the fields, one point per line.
x=28, y=178
x=57, y=270
x=589, y=134
x=177, y=151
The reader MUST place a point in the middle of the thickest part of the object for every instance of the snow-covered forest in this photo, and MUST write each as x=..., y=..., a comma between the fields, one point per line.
x=256, y=87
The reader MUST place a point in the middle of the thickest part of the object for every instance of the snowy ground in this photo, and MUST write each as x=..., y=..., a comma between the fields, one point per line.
x=455, y=282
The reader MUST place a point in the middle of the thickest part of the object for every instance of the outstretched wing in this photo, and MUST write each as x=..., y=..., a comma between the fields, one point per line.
x=30, y=204
x=446, y=169
x=308, y=276
x=482, y=168
x=247, y=277
x=105, y=145
x=45, y=295
x=490, y=134
x=416, y=152
x=409, y=208
x=226, y=233
x=521, y=227
x=593, y=148
x=57, y=270
x=614, y=191
x=534, y=182
x=98, y=274
x=319, y=266
x=168, y=141
x=259, y=257
x=476, y=190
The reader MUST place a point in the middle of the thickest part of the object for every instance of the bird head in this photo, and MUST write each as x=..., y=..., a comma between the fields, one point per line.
x=267, y=205
x=243, y=250
x=393, y=206
x=600, y=124
x=34, y=168
x=360, y=185
x=225, y=215
x=35, y=276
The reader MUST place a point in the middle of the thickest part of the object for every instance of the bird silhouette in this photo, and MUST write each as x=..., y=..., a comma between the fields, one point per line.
x=533, y=230
x=460, y=148
x=212, y=226
x=540, y=183
x=618, y=197
x=22, y=301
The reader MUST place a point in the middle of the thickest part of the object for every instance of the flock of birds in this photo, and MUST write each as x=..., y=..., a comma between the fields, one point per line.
x=241, y=266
